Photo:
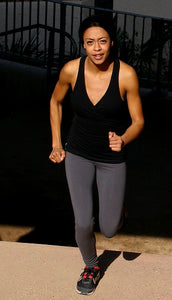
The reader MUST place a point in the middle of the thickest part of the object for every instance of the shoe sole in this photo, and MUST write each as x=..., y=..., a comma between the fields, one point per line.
x=85, y=294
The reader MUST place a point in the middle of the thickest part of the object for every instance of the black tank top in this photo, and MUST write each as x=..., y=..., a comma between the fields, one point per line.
x=88, y=135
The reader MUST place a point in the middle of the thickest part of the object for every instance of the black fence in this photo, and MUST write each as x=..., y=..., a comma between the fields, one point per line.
x=45, y=33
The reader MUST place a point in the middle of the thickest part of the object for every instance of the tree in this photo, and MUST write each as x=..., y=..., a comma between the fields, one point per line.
x=107, y=4
x=104, y=3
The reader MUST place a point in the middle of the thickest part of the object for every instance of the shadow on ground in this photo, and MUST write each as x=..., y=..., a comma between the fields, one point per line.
x=108, y=257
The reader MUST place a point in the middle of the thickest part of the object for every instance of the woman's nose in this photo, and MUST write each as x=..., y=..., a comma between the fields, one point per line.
x=97, y=46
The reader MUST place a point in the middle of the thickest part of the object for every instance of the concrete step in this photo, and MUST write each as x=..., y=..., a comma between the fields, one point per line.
x=46, y=272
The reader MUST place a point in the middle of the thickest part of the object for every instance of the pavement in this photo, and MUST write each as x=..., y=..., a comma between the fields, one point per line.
x=39, y=258
x=44, y=272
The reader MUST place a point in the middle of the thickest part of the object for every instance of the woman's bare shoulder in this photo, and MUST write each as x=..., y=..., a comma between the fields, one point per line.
x=127, y=71
x=69, y=71
x=128, y=79
x=71, y=67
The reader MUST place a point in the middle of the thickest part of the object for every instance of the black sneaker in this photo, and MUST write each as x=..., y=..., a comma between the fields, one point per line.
x=86, y=285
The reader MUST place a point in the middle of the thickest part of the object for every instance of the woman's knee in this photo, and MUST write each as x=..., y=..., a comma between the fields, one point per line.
x=84, y=229
x=109, y=231
x=83, y=234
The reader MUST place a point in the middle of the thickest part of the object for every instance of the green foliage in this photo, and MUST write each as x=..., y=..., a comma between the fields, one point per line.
x=128, y=51
x=147, y=57
x=29, y=48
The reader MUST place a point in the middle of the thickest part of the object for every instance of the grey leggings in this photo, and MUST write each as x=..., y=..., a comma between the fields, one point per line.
x=110, y=179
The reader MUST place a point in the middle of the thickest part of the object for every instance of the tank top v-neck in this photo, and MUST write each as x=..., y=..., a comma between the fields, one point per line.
x=88, y=135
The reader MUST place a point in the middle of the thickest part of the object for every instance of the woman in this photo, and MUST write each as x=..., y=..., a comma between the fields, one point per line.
x=102, y=87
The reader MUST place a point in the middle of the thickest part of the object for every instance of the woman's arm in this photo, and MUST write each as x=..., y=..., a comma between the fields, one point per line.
x=129, y=86
x=58, y=154
x=134, y=106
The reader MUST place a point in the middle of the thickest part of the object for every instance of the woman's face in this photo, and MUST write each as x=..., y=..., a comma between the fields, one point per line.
x=97, y=44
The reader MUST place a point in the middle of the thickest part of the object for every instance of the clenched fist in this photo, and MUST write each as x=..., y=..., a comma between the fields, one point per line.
x=57, y=155
x=115, y=142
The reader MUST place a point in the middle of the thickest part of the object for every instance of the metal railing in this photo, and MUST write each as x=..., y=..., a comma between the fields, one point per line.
x=25, y=27
x=34, y=52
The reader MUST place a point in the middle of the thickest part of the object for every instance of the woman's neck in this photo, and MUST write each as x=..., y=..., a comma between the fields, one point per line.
x=98, y=68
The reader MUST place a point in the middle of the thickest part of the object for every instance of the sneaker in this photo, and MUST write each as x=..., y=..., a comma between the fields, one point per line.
x=87, y=282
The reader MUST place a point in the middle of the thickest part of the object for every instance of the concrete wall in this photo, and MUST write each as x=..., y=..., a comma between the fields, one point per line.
x=154, y=8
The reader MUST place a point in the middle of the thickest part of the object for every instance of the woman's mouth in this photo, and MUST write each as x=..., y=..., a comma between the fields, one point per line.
x=98, y=56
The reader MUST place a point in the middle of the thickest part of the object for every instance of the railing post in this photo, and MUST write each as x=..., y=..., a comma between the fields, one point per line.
x=6, y=25
x=159, y=63
x=49, y=62
x=62, y=28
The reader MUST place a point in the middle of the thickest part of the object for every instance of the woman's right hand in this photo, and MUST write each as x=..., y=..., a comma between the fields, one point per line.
x=57, y=155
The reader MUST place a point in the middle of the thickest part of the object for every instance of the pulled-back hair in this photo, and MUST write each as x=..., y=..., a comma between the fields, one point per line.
x=99, y=21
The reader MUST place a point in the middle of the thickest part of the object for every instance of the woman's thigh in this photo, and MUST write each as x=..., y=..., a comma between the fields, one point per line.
x=111, y=179
x=80, y=175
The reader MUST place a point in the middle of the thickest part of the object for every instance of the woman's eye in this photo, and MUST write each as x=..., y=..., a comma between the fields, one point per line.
x=102, y=41
x=89, y=43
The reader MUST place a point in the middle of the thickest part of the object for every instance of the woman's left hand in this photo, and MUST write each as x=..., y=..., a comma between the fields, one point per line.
x=115, y=142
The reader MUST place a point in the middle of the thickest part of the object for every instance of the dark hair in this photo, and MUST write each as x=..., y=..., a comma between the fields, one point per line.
x=99, y=21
